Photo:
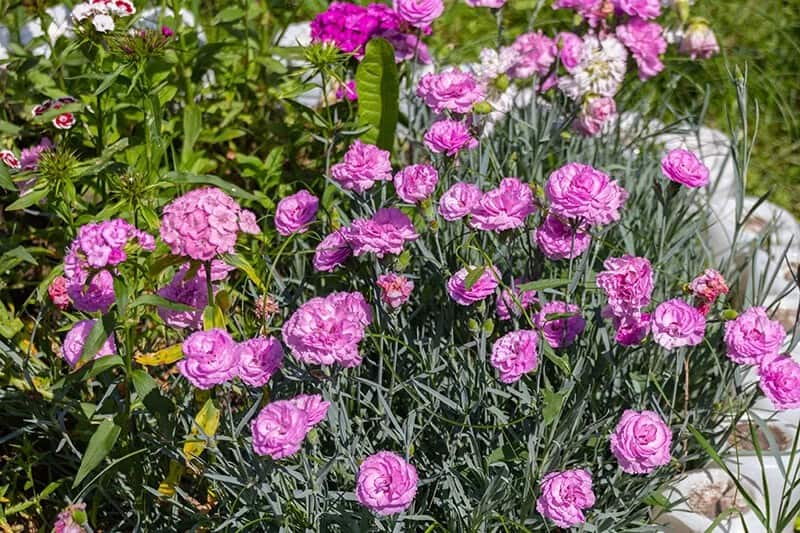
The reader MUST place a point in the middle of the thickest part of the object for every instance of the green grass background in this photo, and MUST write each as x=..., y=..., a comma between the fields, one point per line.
x=762, y=36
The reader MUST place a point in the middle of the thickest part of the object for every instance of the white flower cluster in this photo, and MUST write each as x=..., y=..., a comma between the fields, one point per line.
x=102, y=13
x=600, y=71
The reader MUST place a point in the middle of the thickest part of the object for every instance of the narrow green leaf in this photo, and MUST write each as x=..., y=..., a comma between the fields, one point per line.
x=229, y=14
x=192, y=124
x=551, y=406
x=160, y=301
x=558, y=360
x=473, y=276
x=542, y=284
x=108, y=80
x=29, y=199
x=233, y=190
x=238, y=261
x=101, y=443
x=378, y=89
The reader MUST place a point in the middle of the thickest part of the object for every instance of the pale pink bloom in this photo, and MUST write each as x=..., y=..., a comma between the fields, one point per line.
x=57, y=290
x=753, y=336
x=780, y=381
x=558, y=240
x=537, y=53
x=641, y=442
x=459, y=200
x=581, y=192
x=480, y=290
x=628, y=283
x=363, y=166
x=494, y=4
x=631, y=328
x=385, y=233
x=210, y=358
x=452, y=90
x=296, y=212
x=560, y=332
x=449, y=137
x=279, y=429
x=570, y=49
x=645, y=9
x=386, y=483
x=515, y=354
x=596, y=112
x=419, y=13
x=646, y=42
x=675, y=324
x=415, y=183
x=503, y=208
x=314, y=406
x=563, y=496
x=594, y=11
x=395, y=289
x=332, y=252
x=699, y=41
x=259, y=359
x=72, y=348
x=684, y=167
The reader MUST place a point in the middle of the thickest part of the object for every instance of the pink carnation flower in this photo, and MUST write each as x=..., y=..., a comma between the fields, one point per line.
x=480, y=290
x=582, y=192
x=593, y=11
x=753, y=336
x=449, y=137
x=503, y=208
x=628, y=283
x=570, y=49
x=646, y=43
x=641, y=442
x=676, y=323
x=564, y=495
x=684, y=167
x=395, y=289
x=699, y=41
x=296, y=212
x=515, y=354
x=363, y=166
x=279, y=429
x=706, y=288
x=385, y=233
x=71, y=520
x=204, y=223
x=415, y=183
x=632, y=328
x=259, y=359
x=386, y=483
x=192, y=292
x=596, y=113
x=560, y=332
x=332, y=252
x=452, y=90
x=646, y=9
x=513, y=302
x=57, y=290
x=558, y=240
x=92, y=293
x=780, y=381
x=210, y=358
x=314, y=406
x=459, y=200
x=537, y=53
x=325, y=331
x=419, y=13
x=73, y=344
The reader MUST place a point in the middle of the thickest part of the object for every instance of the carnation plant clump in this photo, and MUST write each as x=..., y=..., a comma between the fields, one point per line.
x=328, y=284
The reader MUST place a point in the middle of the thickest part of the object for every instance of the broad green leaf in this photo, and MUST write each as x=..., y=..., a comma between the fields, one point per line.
x=378, y=89
x=213, y=317
x=101, y=443
x=102, y=329
x=109, y=79
x=167, y=487
x=122, y=295
x=560, y=361
x=192, y=123
x=164, y=356
x=160, y=301
x=229, y=14
x=5, y=179
x=207, y=179
x=29, y=199
x=205, y=426
x=551, y=405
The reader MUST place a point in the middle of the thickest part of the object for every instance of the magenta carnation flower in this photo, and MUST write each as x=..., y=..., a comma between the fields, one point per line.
x=558, y=240
x=537, y=53
x=459, y=200
x=596, y=112
x=706, y=288
x=449, y=137
x=204, y=223
x=350, y=26
x=570, y=49
x=699, y=41
x=395, y=289
x=753, y=336
x=582, y=192
x=419, y=13
x=295, y=212
x=314, y=406
x=385, y=233
x=332, y=252
x=503, y=208
x=415, y=183
x=325, y=331
x=95, y=293
x=780, y=380
x=451, y=90
x=564, y=496
x=641, y=442
x=628, y=283
x=76, y=338
x=646, y=43
x=259, y=359
x=210, y=358
x=684, y=167
x=645, y=9
x=514, y=301
x=480, y=290
x=676, y=323
x=386, y=483
x=560, y=332
x=279, y=429
x=515, y=354
x=632, y=328
x=363, y=166
x=192, y=292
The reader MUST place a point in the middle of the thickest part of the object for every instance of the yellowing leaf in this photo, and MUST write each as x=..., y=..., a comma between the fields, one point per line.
x=167, y=487
x=213, y=318
x=205, y=426
x=165, y=356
